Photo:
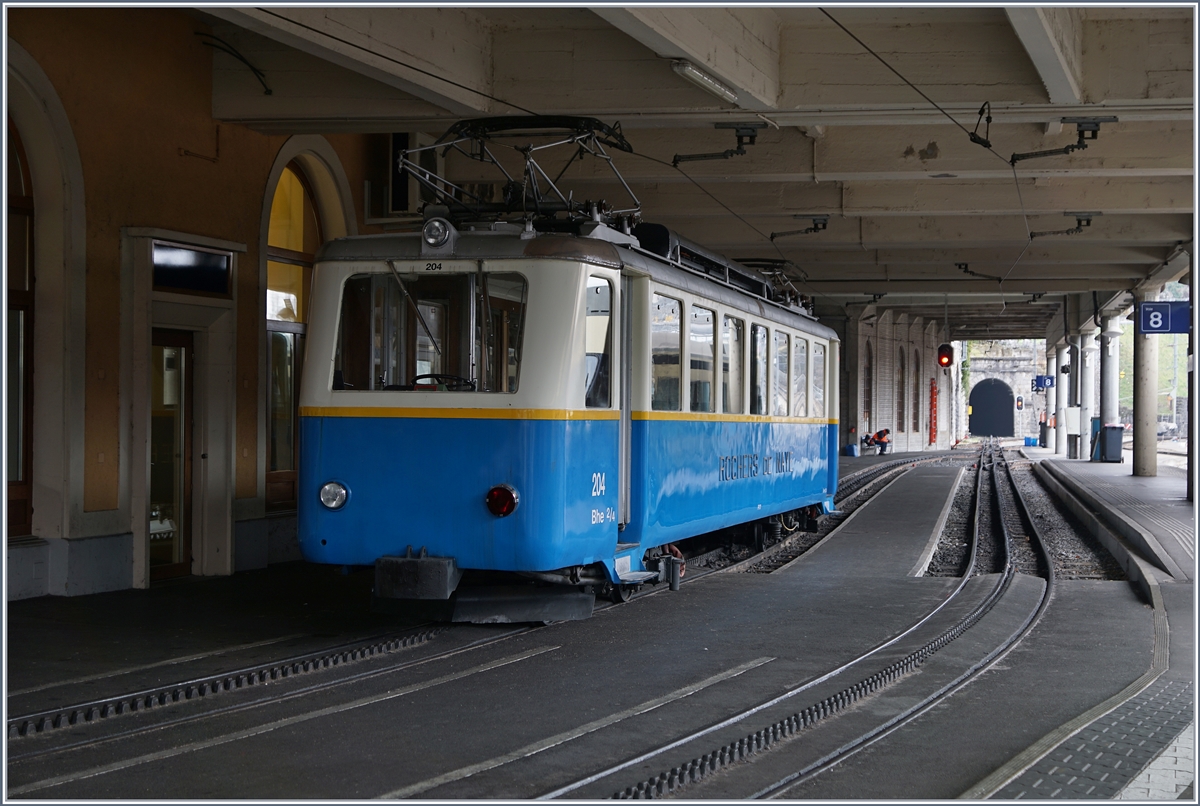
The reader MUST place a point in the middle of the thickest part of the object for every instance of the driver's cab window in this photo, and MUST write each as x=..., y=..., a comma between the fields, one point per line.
x=453, y=332
x=431, y=342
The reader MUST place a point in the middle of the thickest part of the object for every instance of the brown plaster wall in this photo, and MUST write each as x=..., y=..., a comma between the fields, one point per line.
x=137, y=88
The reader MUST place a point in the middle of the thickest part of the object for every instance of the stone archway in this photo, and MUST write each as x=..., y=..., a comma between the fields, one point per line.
x=992, y=405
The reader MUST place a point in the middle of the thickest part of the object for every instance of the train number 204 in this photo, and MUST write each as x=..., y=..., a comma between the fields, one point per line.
x=597, y=484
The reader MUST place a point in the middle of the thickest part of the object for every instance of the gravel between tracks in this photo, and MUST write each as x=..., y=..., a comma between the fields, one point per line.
x=1075, y=552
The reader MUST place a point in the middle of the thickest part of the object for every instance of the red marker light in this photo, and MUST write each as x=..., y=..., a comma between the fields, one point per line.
x=945, y=355
x=502, y=500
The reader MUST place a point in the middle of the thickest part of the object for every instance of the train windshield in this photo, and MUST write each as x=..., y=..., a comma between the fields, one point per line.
x=453, y=332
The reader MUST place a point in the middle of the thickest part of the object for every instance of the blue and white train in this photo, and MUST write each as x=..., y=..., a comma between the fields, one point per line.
x=558, y=407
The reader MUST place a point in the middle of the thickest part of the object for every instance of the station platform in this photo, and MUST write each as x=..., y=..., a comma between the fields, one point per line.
x=1154, y=506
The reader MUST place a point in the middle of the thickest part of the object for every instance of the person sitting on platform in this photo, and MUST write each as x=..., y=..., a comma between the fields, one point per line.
x=881, y=440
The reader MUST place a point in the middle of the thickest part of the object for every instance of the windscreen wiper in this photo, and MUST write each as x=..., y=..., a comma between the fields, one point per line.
x=416, y=310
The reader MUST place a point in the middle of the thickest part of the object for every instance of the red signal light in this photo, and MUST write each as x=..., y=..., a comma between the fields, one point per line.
x=502, y=500
x=945, y=355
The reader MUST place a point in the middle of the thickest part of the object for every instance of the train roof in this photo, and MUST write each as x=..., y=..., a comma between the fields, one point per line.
x=668, y=259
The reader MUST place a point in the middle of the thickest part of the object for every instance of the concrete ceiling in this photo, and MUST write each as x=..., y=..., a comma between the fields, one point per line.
x=921, y=219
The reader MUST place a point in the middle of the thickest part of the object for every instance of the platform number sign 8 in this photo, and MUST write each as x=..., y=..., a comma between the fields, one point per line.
x=1164, y=317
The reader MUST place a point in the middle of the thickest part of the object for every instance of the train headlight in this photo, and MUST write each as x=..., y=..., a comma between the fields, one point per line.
x=502, y=500
x=436, y=232
x=334, y=494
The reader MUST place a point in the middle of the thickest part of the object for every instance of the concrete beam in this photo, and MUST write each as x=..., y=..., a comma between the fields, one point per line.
x=1170, y=271
x=975, y=285
x=955, y=198
x=739, y=47
x=1142, y=58
x=1059, y=254
x=1053, y=38
x=947, y=200
x=684, y=108
x=443, y=56
x=823, y=65
x=993, y=240
x=882, y=153
x=308, y=93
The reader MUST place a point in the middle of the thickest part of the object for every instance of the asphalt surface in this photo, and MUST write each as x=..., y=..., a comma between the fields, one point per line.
x=502, y=712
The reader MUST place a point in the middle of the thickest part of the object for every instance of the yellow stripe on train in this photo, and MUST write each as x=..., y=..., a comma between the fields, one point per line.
x=695, y=416
x=458, y=414
x=545, y=414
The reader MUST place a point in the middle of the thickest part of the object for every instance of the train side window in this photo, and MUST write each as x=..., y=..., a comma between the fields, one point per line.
x=598, y=343
x=733, y=340
x=758, y=369
x=665, y=367
x=395, y=329
x=800, y=378
x=701, y=346
x=779, y=380
x=818, y=381
x=504, y=328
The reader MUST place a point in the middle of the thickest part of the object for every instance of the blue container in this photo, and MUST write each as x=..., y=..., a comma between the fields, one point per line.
x=1031, y=442
x=850, y=450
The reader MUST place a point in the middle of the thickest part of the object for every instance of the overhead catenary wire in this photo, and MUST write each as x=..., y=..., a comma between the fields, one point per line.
x=804, y=279
x=404, y=64
x=451, y=82
x=952, y=119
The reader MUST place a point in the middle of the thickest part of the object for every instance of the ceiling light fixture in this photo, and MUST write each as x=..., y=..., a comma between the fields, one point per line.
x=703, y=80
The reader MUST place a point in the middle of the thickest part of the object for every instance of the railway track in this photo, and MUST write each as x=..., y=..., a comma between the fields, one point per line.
x=105, y=718
x=103, y=708
x=999, y=506
x=893, y=660
x=261, y=685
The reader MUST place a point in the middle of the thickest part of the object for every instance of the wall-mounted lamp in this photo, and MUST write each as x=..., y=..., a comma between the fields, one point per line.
x=703, y=80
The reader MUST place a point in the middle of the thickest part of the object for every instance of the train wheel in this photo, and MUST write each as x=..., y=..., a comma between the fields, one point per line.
x=760, y=537
x=620, y=593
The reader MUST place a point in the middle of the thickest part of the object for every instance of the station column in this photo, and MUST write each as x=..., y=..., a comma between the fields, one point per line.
x=1087, y=392
x=1051, y=398
x=1110, y=369
x=851, y=407
x=1074, y=382
x=1145, y=397
x=1062, y=398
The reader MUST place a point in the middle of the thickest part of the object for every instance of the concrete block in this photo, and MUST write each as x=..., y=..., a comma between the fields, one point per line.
x=79, y=566
x=26, y=564
x=283, y=544
x=251, y=546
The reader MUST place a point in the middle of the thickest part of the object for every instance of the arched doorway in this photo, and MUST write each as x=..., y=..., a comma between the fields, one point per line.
x=991, y=409
x=308, y=201
x=292, y=241
x=19, y=376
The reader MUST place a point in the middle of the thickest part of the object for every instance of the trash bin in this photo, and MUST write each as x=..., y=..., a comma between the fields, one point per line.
x=1110, y=443
x=850, y=450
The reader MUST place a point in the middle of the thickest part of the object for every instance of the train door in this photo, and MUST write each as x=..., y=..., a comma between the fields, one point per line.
x=625, y=363
x=171, y=361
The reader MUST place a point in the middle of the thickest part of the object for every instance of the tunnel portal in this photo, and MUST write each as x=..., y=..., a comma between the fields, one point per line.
x=991, y=409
